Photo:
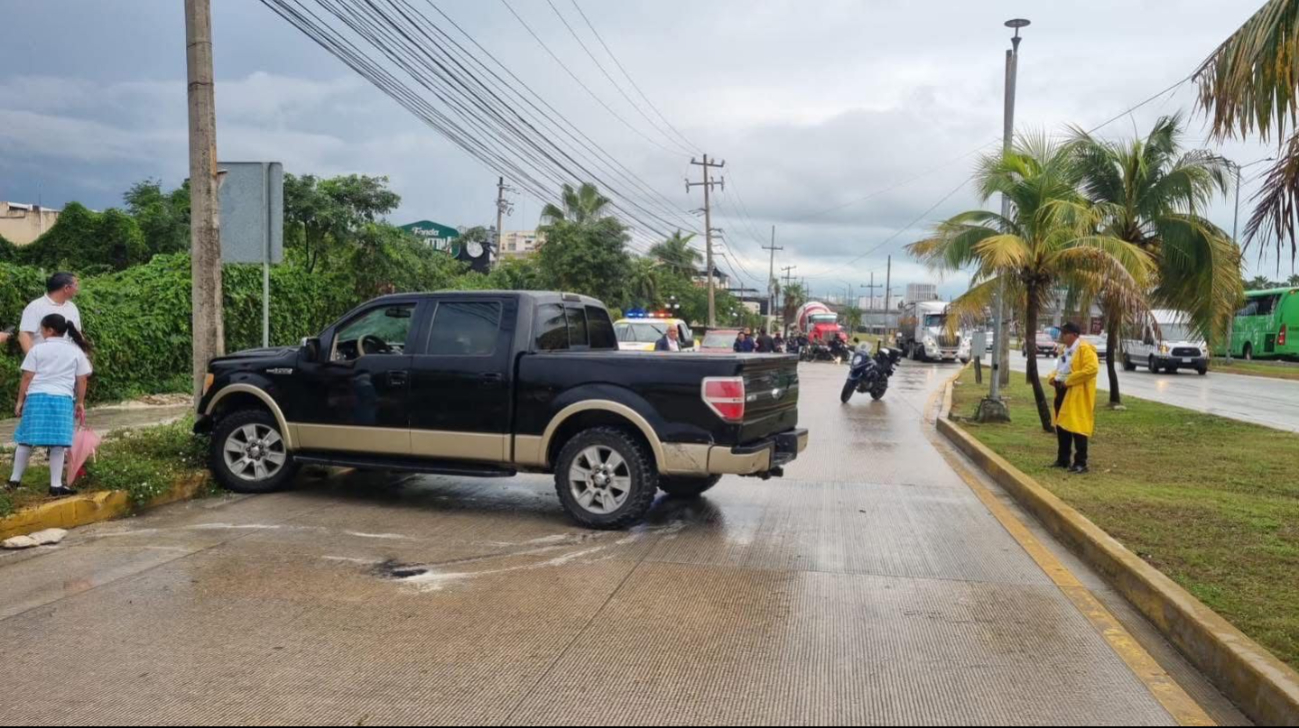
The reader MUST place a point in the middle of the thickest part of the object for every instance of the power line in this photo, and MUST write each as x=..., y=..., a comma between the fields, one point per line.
x=634, y=85
x=579, y=81
x=612, y=82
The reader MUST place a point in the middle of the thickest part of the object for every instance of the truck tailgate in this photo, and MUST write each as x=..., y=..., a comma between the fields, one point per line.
x=771, y=393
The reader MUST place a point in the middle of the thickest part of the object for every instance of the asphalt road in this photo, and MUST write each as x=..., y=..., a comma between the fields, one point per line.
x=1269, y=402
x=870, y=586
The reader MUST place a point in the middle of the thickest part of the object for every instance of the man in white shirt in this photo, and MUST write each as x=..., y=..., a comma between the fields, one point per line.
x=60, y=290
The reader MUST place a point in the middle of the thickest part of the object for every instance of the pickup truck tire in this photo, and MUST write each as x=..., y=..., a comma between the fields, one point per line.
x=1128, y=364
x=687, y=487
x=606, y=478
x=249, y=455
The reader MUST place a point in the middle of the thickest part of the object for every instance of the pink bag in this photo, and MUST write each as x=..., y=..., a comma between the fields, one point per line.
x=84, y=445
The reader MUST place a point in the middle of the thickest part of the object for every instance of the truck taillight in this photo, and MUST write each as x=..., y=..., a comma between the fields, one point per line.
x=1280, y=340
x=725, y=396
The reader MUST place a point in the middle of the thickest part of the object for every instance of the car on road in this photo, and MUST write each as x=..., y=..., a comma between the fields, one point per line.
x=1100, y=342
x=1044, y=344
x=1168, y=343
x=641, y=334
x=719, y=341
x=1268, y=326
x=496, y=383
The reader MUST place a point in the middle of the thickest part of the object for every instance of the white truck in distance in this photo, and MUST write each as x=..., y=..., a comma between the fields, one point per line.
x=923, y=334
x=1170, y=343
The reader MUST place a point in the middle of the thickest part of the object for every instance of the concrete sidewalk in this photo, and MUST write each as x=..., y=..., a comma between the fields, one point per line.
x=115, y=417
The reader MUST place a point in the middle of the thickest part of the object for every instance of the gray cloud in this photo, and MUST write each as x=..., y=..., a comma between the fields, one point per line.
x=814, y=106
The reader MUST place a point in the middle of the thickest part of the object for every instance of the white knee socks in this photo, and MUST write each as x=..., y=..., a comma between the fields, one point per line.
x=24, y=455
x=57, y=454
x=21, y=458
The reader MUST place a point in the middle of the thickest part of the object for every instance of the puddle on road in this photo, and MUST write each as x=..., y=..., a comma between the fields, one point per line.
x=395, y=570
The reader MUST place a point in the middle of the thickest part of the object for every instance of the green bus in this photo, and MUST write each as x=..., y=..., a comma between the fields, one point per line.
x=1268, y=326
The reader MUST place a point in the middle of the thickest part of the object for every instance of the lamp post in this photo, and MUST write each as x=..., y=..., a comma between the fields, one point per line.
x=993, y=409
x=1235, y=225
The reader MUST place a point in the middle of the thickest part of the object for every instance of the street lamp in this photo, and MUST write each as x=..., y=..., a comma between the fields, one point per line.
x=1235, y=225
x=993, y=409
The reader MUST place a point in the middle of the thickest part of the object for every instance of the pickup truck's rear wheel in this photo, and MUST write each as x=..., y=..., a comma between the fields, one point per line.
x=249, y=454
x=606, y=479
x=687, y=487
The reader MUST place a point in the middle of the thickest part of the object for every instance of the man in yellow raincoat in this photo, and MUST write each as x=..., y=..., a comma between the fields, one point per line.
x=1075, y=399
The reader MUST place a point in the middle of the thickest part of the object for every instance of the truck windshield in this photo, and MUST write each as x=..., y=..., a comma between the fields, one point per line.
x=934, y=320
x=1177, y=332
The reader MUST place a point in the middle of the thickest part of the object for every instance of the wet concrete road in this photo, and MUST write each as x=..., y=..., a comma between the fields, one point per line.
x=869, y=586
x=1269, y=402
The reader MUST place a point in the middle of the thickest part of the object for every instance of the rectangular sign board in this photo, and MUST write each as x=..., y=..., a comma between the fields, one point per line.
x=252, y=212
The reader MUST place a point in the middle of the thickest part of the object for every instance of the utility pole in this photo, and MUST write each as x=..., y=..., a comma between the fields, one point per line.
x=205, y=225
x=771, y=280
x=789, y=279
x=888, y=295
x=871, y=307
x=993, y=409
x=708, y=228
x=503, y=208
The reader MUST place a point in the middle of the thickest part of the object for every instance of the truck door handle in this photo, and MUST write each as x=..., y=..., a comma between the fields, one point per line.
x=491, y=380
x=398, y=378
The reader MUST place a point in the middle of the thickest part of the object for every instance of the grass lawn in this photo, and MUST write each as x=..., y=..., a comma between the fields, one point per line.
x=146, y=463
x=1211, y=502
x=1272, y=370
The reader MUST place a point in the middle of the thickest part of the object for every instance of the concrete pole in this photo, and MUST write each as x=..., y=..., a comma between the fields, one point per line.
x=205, y=227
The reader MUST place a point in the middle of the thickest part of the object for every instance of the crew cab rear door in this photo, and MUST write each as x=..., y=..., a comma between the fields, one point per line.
x=461, y=379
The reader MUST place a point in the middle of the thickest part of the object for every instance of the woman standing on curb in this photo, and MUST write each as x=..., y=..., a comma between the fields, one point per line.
x=51, y=398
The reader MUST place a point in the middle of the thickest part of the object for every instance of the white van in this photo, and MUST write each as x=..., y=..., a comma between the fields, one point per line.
x=1168, y=344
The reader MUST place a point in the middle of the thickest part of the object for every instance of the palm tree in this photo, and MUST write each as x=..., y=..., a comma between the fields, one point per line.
x=1151, y=194
x=643, y=283
x=1049, y=240
x=677, y=255
x=795, y=296
x=580, y=206
x=1250, y=84
x=1260, y=283
x=1293, y=280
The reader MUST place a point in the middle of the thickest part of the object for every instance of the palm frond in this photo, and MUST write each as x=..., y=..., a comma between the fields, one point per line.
x=1249, y=82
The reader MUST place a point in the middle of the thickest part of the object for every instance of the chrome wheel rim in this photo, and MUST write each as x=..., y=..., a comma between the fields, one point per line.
x=254, y=452
x=600, y=479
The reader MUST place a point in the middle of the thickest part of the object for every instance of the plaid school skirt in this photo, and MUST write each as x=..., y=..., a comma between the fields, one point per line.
x=48, y=421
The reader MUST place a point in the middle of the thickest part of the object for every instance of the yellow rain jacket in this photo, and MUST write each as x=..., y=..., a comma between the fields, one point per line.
x=1078, y=413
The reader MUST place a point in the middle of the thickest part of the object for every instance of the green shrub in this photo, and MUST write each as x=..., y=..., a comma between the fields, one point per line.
x=19, y=286
x=88, y=242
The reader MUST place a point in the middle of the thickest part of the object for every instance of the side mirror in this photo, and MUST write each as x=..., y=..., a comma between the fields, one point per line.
x=311, y=349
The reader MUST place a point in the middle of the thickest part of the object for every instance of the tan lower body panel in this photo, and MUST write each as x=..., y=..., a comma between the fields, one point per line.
x=481, y=447
x=528, y=451
x=352, y=438
x=700, y=460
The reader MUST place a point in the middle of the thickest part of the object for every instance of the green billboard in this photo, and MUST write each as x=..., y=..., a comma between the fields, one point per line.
x=436, y=235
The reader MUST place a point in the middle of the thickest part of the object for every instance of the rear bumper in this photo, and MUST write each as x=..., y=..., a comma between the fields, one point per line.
x=758, y=458
x=763, y=458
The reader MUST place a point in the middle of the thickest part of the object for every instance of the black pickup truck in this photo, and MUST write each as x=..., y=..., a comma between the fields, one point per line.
x=494, y=383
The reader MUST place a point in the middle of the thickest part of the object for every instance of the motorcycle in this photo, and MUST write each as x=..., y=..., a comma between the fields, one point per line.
x=871, y=374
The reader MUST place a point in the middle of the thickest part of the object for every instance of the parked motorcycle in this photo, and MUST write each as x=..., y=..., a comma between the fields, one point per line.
x=868, y=373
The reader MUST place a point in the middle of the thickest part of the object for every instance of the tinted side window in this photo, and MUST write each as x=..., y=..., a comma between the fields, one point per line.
x=465, y=329
x=552, y=328
x=577, y=335
x=375, y=332
x=601, y=328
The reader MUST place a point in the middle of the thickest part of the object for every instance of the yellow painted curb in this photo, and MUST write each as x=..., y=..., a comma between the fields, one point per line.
x=1263, y=687
x=83, y=510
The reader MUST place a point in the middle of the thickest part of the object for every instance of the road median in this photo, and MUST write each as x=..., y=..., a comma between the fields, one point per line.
x=1261, y=684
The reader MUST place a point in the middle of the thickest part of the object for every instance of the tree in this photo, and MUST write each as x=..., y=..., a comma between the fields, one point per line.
x=586, y=247
x=677, y=255
x=795, y=295
x=1250, y=84
x=330, y=212
x=1260, y=283
x=87, y=242
x=8, y=251
x=852, y=317
x=643, y=283
x=1293, y=280
x=516, y=274
x=1049, y=240
x=163, y=218
x=1152, y=194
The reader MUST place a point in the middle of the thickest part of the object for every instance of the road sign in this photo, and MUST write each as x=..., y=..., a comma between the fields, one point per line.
x=252, y=221
x=252, y=212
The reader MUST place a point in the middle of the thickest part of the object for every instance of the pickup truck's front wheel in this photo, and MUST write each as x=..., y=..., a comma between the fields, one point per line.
x=249, y=454
x=687, y=487
x=606, y=479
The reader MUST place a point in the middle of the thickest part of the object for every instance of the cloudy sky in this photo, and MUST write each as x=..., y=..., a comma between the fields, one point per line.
x=842, y=122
